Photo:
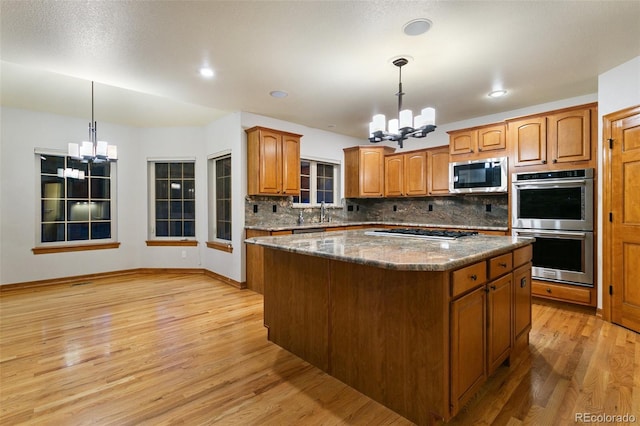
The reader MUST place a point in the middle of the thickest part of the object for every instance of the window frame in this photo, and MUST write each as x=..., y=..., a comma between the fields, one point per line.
x=212, y=238
x=313, y=182
x=41, y=247
x=151, y=202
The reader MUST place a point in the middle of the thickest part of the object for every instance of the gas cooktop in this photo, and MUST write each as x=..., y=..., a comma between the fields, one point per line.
x=421, y=233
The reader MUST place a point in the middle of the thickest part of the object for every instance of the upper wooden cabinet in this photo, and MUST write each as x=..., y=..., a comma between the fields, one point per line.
x=364, y=171
x=273, y=162
x=554, y=138
x=438, y=171
x=477, y=142
x=405, y=174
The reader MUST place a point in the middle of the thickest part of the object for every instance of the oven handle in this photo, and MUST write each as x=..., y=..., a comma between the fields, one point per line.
x=557, y=234
x=549, y=184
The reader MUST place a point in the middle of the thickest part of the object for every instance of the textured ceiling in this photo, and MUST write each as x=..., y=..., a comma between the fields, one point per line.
x=332, y=57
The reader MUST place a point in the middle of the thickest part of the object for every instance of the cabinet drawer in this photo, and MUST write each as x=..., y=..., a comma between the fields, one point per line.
x=500, y=265
x=560, y=292
x=522, y=255
x=468, y=278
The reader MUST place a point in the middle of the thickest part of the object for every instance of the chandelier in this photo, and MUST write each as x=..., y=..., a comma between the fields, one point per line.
x=93, y=150
x=405, y=125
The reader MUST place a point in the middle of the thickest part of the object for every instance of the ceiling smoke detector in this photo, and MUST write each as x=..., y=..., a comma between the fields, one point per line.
x=417, y=27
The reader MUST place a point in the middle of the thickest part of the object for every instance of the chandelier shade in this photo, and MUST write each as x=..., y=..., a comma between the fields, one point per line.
x=405, y=126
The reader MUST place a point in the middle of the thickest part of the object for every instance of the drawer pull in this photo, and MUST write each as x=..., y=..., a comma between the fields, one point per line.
x=493, y=287
x=474, y=277
x=548, y=290
x=523, y=283
x=503, y=264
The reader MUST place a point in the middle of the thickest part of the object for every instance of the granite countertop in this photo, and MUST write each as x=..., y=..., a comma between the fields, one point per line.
x=400, y=253
x=334, y=224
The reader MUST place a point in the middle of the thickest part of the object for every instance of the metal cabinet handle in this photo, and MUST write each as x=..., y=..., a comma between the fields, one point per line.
x=549, y=290
x=474, y=277
x=523, y=283
x=544, y=161
x=503, y=264
x=555, y=160
x=493, y=287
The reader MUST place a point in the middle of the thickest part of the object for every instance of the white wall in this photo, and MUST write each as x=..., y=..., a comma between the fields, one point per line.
x=22, y=132
x=618, y=88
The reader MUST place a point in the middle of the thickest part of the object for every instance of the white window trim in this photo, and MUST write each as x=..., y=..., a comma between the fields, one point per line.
x=151, y=197
x=313, y=182
x=38, y=200
x=211, y=175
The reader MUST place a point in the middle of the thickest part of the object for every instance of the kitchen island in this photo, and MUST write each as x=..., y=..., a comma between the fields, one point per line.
x=416, y=324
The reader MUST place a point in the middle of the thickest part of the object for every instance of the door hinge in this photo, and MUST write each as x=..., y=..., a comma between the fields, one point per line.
x=610, y=143
x=610, y=290
x=610, y=216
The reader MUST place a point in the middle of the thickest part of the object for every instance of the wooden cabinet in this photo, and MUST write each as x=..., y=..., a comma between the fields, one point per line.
x=558, y=137
x=405, y=174
x=273, y=162
x=438, y=171
x=364, y=171
x=564, y=293
x=468, y=346
x=522, y=300
x=254, y=269
x=477, y=142
x=499, y=323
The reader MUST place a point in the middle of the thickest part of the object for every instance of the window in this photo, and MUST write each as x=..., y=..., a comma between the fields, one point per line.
x=173, y=210
x=222, y=167
x=75, y=200
x=318, y=183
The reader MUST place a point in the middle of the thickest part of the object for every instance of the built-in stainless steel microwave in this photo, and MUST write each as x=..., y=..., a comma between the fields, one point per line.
x=485, y=175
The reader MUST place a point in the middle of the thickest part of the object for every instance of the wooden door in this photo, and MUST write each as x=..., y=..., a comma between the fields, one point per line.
x=463, y=142
x=522, y=299
x=270, y=162
x=438, y=171
x=372, y=172
x=468, y=346
x=492, y=138
x=529, y=138
x=499, y=321
x=393, y=175
x=290, y=164
x=569, y=137
x=415, y=173
x=625, y=219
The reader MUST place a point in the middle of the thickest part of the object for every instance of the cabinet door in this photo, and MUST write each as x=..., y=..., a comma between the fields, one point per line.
x=371, y=172
x=468, y=346
x=270, y=162
x=290, y=164
x=499, y=308
x=521, y=299
x=492, y=138
x=529, y=138
x=438, y=171
x=415, y=173
x=393, y=175
x=569, y=136
x=463, y=142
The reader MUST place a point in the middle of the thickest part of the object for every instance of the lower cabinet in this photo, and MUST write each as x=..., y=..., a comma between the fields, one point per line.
x=499, y=307
x=522, y=300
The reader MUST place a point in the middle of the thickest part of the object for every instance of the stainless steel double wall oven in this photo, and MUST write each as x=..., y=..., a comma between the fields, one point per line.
x=556, y=207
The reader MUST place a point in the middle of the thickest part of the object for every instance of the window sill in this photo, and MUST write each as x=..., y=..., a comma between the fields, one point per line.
x=79, y=247
x=171, y=243
x=216, y=245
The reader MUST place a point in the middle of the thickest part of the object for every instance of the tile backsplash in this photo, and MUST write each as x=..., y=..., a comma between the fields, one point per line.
x=462, y=210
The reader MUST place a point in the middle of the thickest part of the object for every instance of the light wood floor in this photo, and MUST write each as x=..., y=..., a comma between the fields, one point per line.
x=187, y=349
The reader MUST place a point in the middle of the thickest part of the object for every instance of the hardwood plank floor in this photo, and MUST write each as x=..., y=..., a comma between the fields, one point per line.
x=188, y=349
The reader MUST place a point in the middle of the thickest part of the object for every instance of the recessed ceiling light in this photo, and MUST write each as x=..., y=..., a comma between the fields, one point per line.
x=497, y=93
x=417, y=27
x=279, y=94
x=206, y=72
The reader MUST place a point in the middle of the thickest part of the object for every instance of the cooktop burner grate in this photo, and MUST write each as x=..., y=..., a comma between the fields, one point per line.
x=436, y=234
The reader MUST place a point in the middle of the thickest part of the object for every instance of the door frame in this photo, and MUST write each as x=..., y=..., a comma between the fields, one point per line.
x=607, y=199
